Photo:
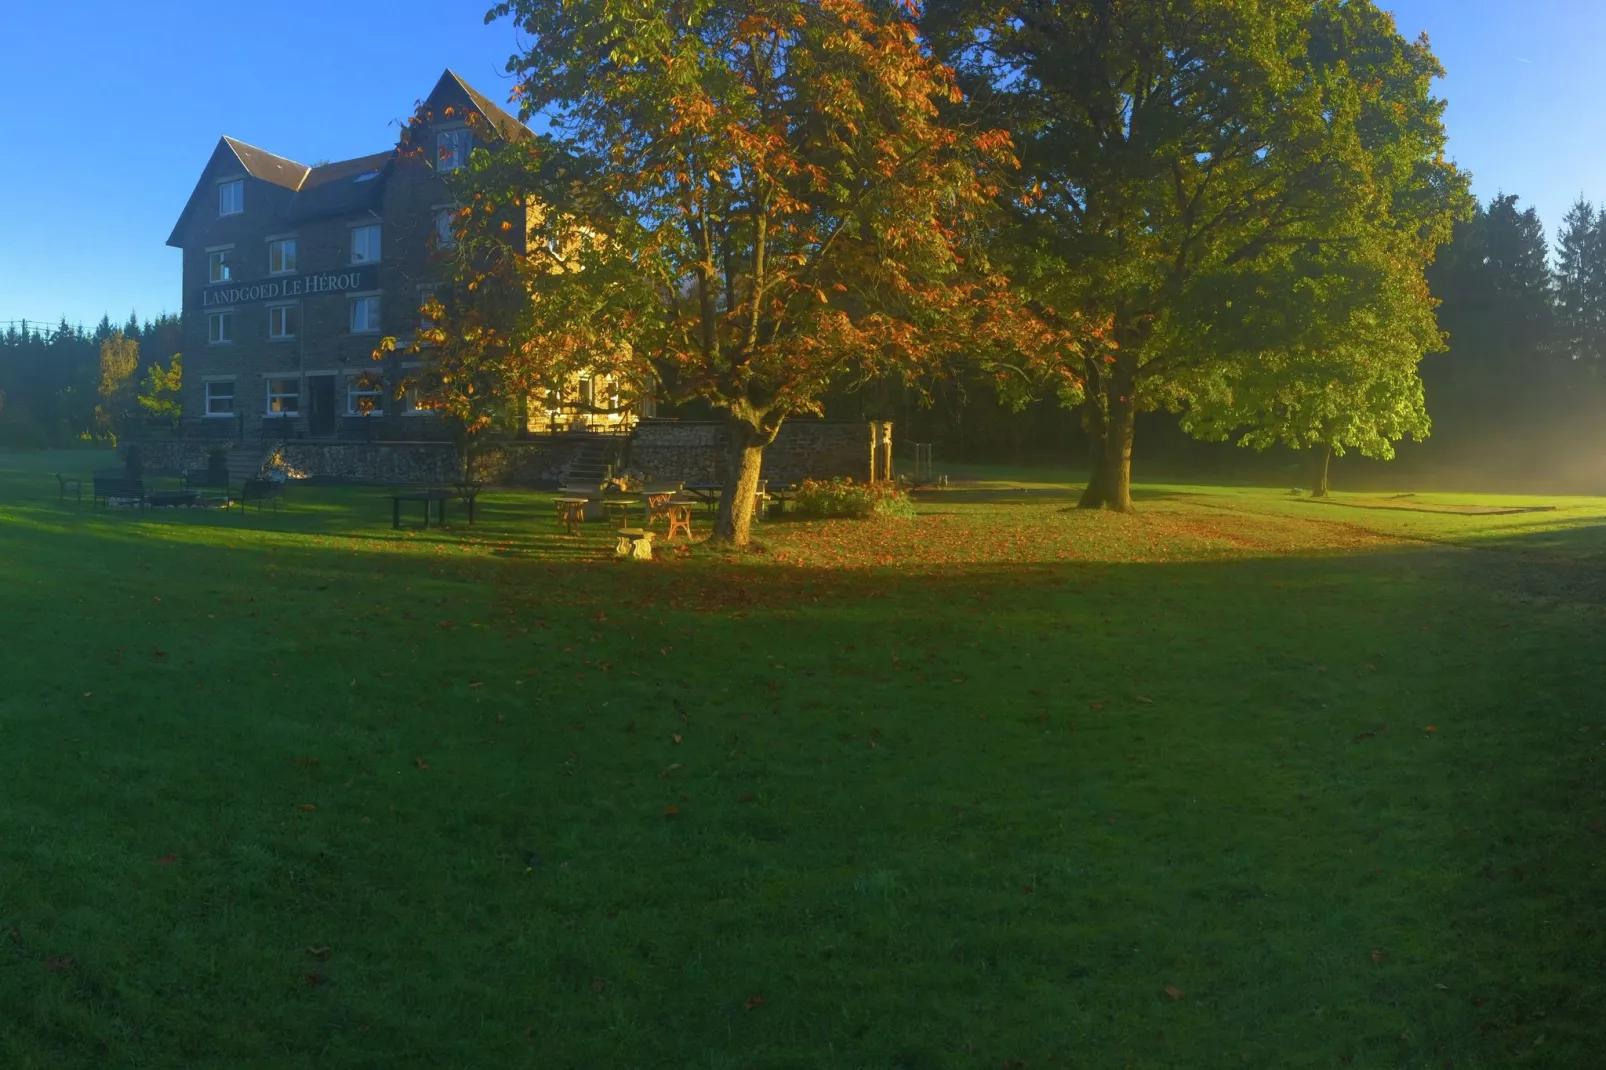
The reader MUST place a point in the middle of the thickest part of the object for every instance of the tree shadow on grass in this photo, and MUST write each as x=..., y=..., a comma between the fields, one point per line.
x=970, y=802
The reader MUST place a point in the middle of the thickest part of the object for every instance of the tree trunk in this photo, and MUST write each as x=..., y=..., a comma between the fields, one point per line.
x=1326, y=462
x=1111, y=426
x=735, y=522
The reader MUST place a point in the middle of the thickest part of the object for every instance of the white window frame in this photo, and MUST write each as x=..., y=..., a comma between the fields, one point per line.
x=353, y=392
x=461, y=139
x=445, y=226
x=207, y=398
x=409, y=398
x=282, y=335
x=378, y=243
x=373, y=326
x=219, y=265
x=216, y=319
x=271, y=394
x=227, y=206
x=287, y=264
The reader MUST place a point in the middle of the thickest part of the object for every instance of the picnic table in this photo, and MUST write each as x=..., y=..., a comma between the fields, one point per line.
x=571, y=512
x=428, y=495
x=707, y=493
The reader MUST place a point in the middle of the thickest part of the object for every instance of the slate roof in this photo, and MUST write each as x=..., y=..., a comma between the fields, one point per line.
x=301, y=193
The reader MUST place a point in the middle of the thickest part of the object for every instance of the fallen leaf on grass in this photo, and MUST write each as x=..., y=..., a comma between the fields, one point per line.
x=1174, y=992
x=477, y=683
x=308, y=807
x=167, y=860
x=1377, y=955
x=1429, y=729
x=676, y=738
x=754, y=1001
x=747, y=796
x=599, y=986
x=313, y=980
x=420, y=763
x=671, y=811
x=60, y=963
x=318, y=952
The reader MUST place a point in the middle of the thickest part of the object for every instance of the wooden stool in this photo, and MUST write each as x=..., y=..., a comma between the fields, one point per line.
x=571, y=511
x=679, y=514
x=634, y=543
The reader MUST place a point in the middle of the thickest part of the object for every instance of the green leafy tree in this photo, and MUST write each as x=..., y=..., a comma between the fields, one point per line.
x=1210, y=179
x=119, y=360
x=781, y=202
x=159, y=392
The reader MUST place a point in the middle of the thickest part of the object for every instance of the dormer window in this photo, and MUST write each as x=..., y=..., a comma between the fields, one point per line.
x=452, y=148
x=231, y=197
x=445, y=228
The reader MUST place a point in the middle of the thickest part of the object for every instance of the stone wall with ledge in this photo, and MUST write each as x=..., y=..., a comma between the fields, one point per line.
x=666, y=451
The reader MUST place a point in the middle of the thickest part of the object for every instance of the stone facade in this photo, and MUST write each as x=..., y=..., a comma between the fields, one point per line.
x=317, y=352
x=674, y=452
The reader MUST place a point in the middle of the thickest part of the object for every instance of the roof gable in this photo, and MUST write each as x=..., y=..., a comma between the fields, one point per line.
x=452, y=89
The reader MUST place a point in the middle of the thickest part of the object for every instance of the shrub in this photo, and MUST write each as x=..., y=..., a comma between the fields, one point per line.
x=858, y=501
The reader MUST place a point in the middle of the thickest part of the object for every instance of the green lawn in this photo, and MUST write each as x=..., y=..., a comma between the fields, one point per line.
x=1239, y=778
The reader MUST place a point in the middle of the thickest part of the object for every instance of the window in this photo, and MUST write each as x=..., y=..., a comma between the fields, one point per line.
x=365, y=315
x=426, y=294
x=445, y=228
x=220, y=398
x=364, y=396
x=284, y=397
x=451, y=150
x=220, y=265
x=220, y=328
x=283, y=321
x=365, y=244
x=282, y=256
x=231, y=197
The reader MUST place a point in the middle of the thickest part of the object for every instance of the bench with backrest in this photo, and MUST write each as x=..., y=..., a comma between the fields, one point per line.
x=259, y=491
x=116, y=484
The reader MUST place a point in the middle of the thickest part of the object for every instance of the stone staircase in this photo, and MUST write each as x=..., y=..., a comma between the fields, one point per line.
x=594, y=461
x=245, y=462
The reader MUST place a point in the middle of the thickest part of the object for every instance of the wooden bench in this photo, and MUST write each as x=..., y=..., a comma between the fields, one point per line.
x=65, y=483
x=259, y=491
x=635, y=544
x=427, y=495
x=116, y=485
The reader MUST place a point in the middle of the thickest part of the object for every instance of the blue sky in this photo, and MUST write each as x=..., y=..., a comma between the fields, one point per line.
x=116, y=107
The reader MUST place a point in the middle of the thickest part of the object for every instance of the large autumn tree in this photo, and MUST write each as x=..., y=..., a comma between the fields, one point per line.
x=780, y=199
x=1192, y=170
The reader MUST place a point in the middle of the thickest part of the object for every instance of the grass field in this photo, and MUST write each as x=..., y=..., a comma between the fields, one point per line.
x=1239, y=779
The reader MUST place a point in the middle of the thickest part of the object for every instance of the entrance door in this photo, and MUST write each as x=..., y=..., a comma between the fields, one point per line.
x=320, y=404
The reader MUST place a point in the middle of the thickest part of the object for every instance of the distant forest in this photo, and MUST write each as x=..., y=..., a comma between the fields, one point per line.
x=50, y=377
x=1518, y=399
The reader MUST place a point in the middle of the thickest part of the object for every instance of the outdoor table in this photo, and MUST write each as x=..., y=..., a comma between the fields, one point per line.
x=619, y=509
x=679, y=514
x=438, y=497
x=571, y=511
x=707, y=493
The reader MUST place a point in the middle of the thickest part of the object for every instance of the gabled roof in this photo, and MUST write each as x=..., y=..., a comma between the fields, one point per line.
x=300, y=192
x=505, y=124
x=259, y=163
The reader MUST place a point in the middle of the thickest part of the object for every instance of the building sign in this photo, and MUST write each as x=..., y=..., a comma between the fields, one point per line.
x=347, y=280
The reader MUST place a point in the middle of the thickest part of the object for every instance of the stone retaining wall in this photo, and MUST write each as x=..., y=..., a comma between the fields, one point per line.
x=697, y=452
x=532, y=464
x=660, y=452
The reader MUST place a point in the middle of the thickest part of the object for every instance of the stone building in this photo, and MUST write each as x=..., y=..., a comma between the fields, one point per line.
x=293, y=273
